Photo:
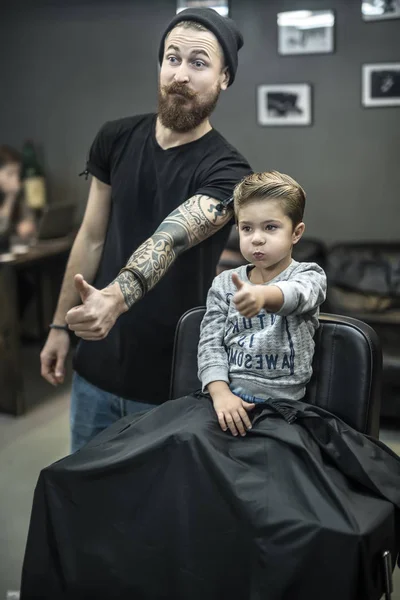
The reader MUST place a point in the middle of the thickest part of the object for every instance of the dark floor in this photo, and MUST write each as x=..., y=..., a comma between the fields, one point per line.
x=38, y=438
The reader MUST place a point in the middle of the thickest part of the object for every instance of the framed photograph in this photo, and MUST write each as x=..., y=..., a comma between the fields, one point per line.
x=306, y=32
x=378, y=10
x=284, y=104
x=221, y=6
x=381, y=84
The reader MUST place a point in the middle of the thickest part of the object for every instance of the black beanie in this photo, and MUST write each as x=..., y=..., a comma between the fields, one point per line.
x=224, y=29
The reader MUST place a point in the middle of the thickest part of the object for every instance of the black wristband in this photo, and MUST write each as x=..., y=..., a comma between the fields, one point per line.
x=139, y=276
x=54, y=326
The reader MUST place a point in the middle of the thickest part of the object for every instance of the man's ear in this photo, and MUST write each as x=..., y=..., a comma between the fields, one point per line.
x=225, y=78
x=298, y=232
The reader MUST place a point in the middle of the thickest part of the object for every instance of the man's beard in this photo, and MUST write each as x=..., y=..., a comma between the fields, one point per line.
x=176, y=114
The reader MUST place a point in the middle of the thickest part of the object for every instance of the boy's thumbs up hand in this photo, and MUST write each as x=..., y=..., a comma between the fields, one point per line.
x=249, y=299
x=237, y=281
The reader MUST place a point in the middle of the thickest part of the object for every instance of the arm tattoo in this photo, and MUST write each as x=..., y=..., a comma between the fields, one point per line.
x=130, y=288
x=191, y=223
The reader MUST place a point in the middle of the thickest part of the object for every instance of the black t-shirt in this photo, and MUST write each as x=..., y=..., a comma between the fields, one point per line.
x=148, y=183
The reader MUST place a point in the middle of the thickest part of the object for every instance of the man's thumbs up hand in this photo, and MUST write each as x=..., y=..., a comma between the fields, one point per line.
x=83, y=288
x=94, y=318
x=249, y=299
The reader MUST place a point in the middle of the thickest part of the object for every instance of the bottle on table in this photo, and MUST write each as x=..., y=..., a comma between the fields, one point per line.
x=33, y=179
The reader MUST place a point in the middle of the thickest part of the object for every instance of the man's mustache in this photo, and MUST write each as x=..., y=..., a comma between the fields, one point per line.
x=176, y=88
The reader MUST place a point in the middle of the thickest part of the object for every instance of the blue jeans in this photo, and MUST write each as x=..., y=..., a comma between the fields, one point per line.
x=93, y=410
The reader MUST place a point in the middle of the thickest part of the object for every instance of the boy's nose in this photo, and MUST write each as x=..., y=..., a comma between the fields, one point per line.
x=258, y=240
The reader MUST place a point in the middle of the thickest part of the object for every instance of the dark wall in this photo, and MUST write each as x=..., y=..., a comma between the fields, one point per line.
x=67, y=67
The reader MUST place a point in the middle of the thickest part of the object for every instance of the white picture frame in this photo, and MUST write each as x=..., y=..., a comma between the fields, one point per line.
x=380, y=10
x=221, y=6
x=381, y=84
x=284, y=104
x=306, y=32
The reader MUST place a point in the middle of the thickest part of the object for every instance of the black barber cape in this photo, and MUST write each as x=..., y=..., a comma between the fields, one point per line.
x=166, y=506
x=147, y=184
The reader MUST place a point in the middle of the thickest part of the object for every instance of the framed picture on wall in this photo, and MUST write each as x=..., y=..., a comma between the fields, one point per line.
x=284, y=104
x=221, y=6
x=306, y=32
x=381, y=84
x=377, y=10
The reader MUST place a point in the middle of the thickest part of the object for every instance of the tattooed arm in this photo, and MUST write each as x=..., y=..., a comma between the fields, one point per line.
x=192, y=222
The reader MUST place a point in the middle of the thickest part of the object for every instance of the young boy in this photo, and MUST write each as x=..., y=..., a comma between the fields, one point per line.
x=257, y=335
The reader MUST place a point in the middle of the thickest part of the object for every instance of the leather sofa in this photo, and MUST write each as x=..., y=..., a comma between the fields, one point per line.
x=364, y=282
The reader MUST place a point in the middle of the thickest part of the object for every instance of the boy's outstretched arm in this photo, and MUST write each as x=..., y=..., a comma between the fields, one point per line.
x=192, y=222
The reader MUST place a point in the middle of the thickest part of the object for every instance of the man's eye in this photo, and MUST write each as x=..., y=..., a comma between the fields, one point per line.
x=171, y=59
x=199, y=63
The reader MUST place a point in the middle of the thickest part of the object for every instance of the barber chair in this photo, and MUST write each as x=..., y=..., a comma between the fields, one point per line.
x=346, y=381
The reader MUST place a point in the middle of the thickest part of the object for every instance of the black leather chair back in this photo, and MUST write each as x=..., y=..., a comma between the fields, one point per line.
x=346, y=368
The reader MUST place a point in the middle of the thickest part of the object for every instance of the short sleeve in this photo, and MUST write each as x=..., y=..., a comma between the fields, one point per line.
x=221, y=177
x=99, y=159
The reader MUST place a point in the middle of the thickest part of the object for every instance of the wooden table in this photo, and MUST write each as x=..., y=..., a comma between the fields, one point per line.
x=46, y=261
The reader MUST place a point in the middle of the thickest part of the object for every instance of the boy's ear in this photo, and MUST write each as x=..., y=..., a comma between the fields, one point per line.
x=298, y=232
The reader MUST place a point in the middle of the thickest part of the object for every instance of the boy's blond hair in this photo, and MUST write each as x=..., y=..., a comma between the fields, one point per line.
x=275, y=186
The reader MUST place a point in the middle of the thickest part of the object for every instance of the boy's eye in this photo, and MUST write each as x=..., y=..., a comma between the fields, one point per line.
x=245, y=228
x=271, y=227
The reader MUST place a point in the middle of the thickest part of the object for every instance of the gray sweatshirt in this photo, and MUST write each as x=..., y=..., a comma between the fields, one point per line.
x=270, y=355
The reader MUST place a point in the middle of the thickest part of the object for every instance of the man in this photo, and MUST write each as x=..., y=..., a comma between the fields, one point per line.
x=171, y=168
